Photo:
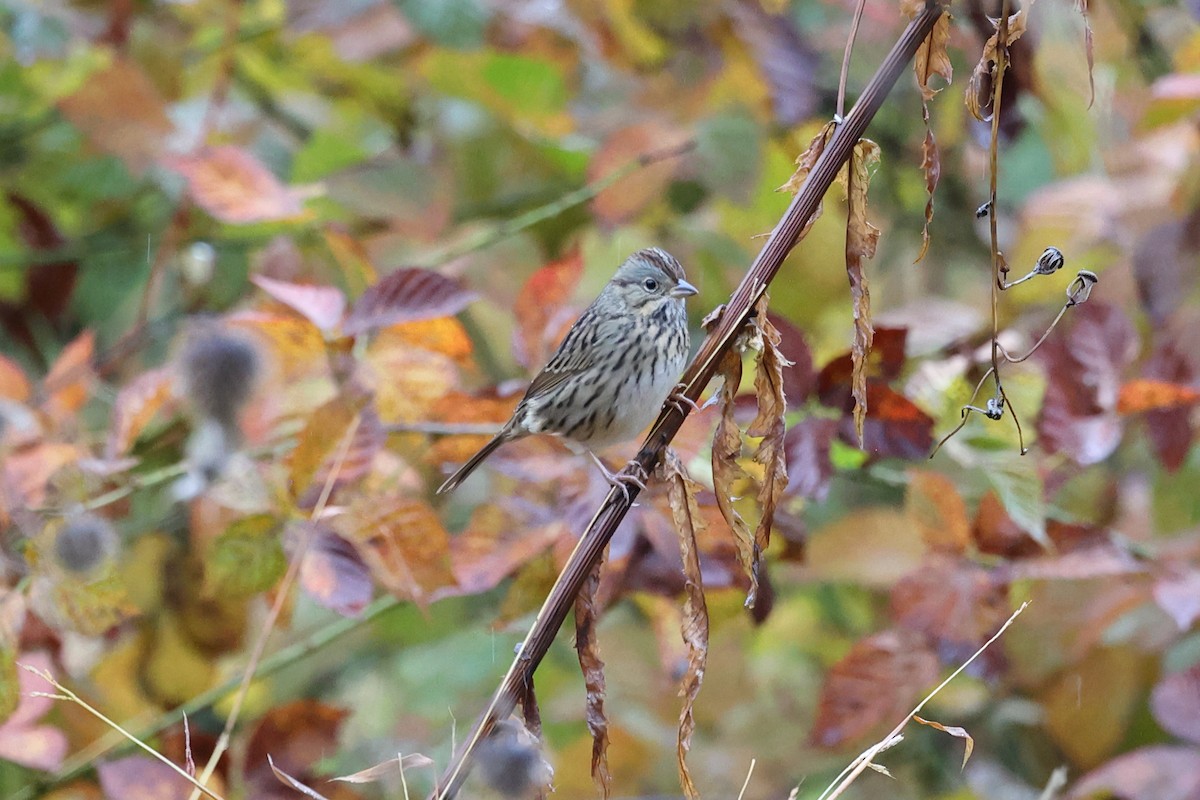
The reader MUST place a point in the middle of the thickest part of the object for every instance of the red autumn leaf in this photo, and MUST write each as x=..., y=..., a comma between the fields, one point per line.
x=809, y=467
x=323, y=306
x=141, y=777
x=233, y=186
x=894, y=426
x=956, y=604
x=335, y=575
x=995, y=532
x=296, y=736
x=799, y=376
x=1084, y=365
x=1158, y=772
x=1175, y=702
x=876, y=683
x=493, y=546
x=885, y=363
x=120, y=112
x=1169, y=425
x=406, y=295
x=539, y=305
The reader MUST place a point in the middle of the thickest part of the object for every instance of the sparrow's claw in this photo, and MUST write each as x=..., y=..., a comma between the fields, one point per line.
x=622, y=480
x=678, y=399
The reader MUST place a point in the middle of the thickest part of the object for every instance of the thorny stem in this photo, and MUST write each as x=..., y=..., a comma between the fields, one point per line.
x=702, y=369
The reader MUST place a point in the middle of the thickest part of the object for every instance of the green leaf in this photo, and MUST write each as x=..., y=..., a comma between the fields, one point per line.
x=453, y=23
x=1019, y=487
x=10, y=688
x=247, y=558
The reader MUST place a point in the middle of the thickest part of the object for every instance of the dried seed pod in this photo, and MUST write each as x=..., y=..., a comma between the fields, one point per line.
x=1081, y=288
x=1050, y=261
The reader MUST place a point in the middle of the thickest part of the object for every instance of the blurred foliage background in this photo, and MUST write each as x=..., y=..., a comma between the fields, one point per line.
x=197, y=194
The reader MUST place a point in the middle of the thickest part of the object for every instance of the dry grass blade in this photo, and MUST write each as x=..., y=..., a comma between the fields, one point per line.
x=681, y=493
x=292, y=783
x=726, y=449
x=851, y=773
x=69, y=696
x=385, y=769
x=953, y=730
x=588, y=649
x=861, y=240
x=769, y=424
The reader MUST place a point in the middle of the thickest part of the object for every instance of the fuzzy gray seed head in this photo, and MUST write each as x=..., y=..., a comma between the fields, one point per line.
x=220, y=370
x=85, y=542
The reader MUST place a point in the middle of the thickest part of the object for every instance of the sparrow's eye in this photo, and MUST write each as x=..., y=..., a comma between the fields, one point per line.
x=650, y=284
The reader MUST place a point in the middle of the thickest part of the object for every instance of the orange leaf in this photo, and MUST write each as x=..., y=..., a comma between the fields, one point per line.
x=934, y=504
x=298, y=346
x=403, y=542
x=546, y=292
x=69, y=383
x=232, y=185
x=445, y=335
x=120, y=112
x=953, y=730
x=13, y=383
x=1143, y=394
x=135, y=406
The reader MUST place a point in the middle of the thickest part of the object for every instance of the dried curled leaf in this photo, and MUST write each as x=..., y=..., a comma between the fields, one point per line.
x=932, y=59
x=979, y=95
x=931, y=168
x=804, y=165
x=769, y=424
x=685, y=511
x=588, y=649
x=953, y=730
x=727, y=447
x=861, y=240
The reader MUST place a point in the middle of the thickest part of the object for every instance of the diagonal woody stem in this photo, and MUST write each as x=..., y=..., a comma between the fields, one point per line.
x=602, y=526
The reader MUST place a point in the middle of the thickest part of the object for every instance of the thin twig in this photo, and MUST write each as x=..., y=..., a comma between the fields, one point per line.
x=746, y=782
x=841, y=97
x=444, y=428
x=856, y=767
x=616, y=505
x=281, y=595
x=70, y=696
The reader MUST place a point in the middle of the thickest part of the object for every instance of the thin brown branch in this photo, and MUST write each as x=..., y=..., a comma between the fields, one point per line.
x=602, y=526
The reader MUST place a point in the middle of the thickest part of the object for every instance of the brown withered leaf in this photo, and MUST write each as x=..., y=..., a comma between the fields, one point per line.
x=120, y=112
x=387, y=769
x=934, y=504
x=403, y=541
x=727, y=448
x=334, y=574
x=547, y=290
x=406, y=295
x=323, y=306
x=295, y=736
x=1089, y=48
x=980, y=87
x=136, y=404
x=322, y=446
x=234, y=186
x=953, y=730
x=932, y=59
x=587, y=613
x=805, y=163
x=1156, y=772
x=931, y=168
x=876, y=682
x=768, y=423
x=685, y=511
x=861, y=240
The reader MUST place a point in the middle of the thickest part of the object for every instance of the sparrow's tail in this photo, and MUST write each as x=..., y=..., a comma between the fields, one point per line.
x=474, y=461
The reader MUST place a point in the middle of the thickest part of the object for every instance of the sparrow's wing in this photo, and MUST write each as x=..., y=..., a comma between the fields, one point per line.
x=574, y=355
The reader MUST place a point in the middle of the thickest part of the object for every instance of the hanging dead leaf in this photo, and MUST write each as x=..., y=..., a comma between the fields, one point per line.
x=685, y=511
x=406, y=295
x=323, y=306
x=805, y=163
x=769, y=424
x=588, y=649
x=953, y=730
x=980, y=86
x=931, y=168
x=727, y=472
x=875, y=683
x=547, y=291
x=137, y=403
x=932, y=59
x=861, y=240
x=334, y=574
x=234, y=186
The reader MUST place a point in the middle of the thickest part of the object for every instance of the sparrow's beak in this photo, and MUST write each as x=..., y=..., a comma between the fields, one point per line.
x=684, y=289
